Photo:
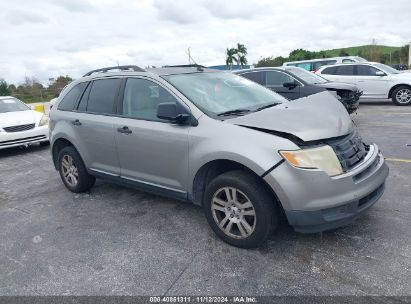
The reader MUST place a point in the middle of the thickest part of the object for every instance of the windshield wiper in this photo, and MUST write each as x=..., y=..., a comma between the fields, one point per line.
x=267, y=106
x=234, y=112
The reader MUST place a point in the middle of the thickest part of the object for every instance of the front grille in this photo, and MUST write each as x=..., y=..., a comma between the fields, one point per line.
x=19, y=128
x=349, y=149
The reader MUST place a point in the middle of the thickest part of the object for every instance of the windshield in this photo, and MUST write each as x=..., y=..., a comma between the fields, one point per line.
x=308, y=77
x=387, y=69
x=217, y=93
x=12, y=105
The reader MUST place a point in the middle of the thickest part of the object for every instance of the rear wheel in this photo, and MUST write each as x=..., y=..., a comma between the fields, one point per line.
x=401, y=96
x=73, y=171
x=240, y=210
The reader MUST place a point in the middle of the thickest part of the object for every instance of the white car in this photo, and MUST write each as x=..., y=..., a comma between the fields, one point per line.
x=376, y=80
x=20, y=125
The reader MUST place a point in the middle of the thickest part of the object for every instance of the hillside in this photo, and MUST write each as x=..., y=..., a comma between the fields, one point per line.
x=363, y=49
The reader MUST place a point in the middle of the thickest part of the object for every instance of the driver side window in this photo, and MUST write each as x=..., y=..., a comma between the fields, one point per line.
x=141, y=98
x=274, y=78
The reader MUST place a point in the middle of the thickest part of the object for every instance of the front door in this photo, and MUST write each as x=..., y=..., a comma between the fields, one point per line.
x=152, y=152
x=371, y=84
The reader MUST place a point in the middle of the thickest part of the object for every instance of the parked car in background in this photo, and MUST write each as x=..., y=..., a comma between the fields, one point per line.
x=376, y=80
x=400, y=67
x=242, y=152
x=313, y=65
x=20, y=125
x=294, y=83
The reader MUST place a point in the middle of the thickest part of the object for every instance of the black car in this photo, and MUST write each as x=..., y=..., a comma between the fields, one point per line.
x=294, y=83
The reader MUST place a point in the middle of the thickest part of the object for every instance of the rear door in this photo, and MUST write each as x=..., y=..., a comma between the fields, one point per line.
x=152, y=152
x=275, y=81
x=343, y=73
x=94, y=126
x=371, y=84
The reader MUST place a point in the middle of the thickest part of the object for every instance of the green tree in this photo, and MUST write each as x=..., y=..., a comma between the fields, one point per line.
x=241, y=52
x=237, y=54
x=229, y=59
x=58, y=85
x=4, y=89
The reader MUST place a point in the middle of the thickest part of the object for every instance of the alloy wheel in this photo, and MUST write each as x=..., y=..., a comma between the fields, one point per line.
x=69, y=170
x=233, y=212
x=403, y=96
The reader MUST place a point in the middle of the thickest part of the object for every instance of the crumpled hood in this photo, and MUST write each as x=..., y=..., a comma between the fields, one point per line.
x=10, y=119
x=315, y=117
x=339, y=86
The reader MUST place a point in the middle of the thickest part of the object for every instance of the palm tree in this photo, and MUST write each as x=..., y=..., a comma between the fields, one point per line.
x=230, y=53
x=241, y=52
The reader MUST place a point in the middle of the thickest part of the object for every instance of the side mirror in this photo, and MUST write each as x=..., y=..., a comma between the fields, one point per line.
x=290, y=85
x=169, y=111
x=380, y=73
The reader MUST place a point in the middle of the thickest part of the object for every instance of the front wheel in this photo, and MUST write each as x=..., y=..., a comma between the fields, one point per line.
x=402, y=96
x=239, y=209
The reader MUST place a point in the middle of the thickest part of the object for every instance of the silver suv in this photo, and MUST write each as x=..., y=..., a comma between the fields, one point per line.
x=218, y=140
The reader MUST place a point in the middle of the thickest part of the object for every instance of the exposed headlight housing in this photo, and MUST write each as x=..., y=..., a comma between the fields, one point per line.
x=322, y=158
x=44, y=121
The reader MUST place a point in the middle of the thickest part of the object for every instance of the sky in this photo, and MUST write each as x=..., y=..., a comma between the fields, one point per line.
x=46, y=38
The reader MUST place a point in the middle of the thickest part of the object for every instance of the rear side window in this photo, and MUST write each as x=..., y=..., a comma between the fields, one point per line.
x=366, y=70
x=102, y=95
x=347, y=70
x=257, y=77
x=304, y=65
x=319, y=64
x=274, y=78
x=70, y=99
x=329, y=71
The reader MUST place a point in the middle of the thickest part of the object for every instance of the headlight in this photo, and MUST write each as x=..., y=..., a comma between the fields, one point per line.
x=44, y=121
x=322, y=158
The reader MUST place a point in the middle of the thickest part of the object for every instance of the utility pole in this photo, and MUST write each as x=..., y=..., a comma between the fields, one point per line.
x=409, y=56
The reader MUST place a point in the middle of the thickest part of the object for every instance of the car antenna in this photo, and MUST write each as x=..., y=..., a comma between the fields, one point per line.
x=199, y=67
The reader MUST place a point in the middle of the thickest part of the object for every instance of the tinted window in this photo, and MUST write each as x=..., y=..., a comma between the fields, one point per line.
x=304, y=65
x=345, y=70
x=257, y=77
x=329, y=71
x=274, y=78
x=366, y=70
x=83, y=101
x=102, y=95
x=319, y=64
x=12, y=105
x=69, y=101
x=141, y=98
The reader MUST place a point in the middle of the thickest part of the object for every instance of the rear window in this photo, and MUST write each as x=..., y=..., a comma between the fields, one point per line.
x=70, y=99
x=102, y=95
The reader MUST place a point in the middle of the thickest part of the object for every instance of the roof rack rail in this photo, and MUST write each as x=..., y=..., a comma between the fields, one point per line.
x=120, y=67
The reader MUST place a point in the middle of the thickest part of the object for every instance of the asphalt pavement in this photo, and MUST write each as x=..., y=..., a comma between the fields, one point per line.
x=119, y=241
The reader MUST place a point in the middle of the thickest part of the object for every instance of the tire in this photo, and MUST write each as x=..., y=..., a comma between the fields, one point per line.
x=73, y=172
x=401, y=96
x=248, y=189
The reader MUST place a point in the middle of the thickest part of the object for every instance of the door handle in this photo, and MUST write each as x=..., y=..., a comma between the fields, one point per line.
x=124, y=130
x=76, y=122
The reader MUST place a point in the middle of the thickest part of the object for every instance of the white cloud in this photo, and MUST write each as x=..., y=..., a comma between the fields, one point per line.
x=47, y=38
